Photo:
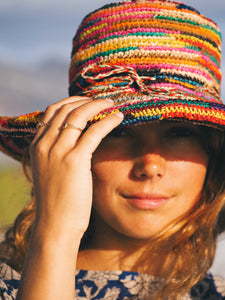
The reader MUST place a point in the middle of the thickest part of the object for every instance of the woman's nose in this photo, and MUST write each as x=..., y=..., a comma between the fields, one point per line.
x=149, y=166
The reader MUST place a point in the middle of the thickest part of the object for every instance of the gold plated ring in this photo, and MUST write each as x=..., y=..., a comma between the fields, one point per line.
x=42, y=124
x=71, y=126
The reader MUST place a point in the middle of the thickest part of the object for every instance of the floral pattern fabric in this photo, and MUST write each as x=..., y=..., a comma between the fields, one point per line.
x=116, y=285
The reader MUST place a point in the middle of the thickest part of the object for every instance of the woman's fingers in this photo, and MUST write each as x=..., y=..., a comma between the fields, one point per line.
x=75, y=122
x=53, y=109
x=50, y=114
x=67, y=120
x=50, y=111
x=90, y=140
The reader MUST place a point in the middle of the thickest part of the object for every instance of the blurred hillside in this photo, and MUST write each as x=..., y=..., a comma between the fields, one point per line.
x=26, y=89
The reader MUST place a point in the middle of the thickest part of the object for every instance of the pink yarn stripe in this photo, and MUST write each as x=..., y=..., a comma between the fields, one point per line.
x=110, y=13
x=110, y=22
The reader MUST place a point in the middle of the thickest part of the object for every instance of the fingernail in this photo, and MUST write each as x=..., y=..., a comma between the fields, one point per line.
x=110, y=100
x=119, y=114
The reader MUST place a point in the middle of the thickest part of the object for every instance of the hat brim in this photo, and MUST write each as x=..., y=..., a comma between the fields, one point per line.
x=16, y=133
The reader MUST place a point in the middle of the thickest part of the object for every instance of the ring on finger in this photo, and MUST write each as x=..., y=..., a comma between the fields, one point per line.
x=71, y=126
x=42, y=124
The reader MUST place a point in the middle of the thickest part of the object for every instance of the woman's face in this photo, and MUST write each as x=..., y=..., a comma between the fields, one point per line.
x=146, y=176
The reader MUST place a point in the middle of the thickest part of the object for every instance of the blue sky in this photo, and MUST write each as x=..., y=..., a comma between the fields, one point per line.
x=32, y=30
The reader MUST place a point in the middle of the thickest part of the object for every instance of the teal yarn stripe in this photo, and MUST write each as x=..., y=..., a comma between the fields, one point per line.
x=189, y=22
x=205, y=53
x=139, y=33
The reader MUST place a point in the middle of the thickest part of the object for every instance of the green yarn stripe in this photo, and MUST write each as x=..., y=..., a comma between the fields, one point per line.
x=158, y=103
x=189, y=22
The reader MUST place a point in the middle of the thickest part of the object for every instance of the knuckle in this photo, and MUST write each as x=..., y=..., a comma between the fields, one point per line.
x=40, y=149
x=51, y=108
x=76, y=116
x=80, y=113
x=94, y=128
x=92, y=139
x=72, y=161
x=67, y=161
x=76, y=113
x=67, y=107
x=56, y=152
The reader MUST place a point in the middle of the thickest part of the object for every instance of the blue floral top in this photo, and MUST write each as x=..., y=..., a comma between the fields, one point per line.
x=116, y=285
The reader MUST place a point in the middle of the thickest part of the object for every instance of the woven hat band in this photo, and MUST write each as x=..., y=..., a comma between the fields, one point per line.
x=109, y=81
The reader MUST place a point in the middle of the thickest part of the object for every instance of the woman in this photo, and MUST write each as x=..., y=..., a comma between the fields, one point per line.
x=128, y=172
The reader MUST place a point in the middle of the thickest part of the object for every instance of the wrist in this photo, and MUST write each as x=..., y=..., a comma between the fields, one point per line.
x=51, y=237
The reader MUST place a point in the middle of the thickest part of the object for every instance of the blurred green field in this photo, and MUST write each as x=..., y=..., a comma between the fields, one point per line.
x=14, y=193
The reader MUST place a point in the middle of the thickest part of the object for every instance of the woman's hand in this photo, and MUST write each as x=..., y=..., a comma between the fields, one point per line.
x=61, y=164
x=61, y=168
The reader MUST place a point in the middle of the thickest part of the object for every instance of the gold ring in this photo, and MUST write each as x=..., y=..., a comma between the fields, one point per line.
x=71, y=126
x=42, y=124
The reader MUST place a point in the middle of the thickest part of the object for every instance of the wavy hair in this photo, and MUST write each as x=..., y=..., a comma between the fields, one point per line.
x=189, y=240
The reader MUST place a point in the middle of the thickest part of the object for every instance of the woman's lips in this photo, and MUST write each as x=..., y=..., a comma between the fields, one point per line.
x=147, y=201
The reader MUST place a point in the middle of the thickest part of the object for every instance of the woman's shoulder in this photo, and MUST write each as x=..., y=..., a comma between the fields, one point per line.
x=8, y=273
x=210, y=287
x=9, y=282
x=220, y=285
x=131, y=285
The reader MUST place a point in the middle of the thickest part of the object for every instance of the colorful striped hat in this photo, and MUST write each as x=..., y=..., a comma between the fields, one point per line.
x=157, y=59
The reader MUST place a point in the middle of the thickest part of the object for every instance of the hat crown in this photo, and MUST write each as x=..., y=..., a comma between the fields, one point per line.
x=169, y=39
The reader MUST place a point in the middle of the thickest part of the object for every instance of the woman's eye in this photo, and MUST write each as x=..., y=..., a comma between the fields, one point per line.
x=119, y=132
x=182, y=132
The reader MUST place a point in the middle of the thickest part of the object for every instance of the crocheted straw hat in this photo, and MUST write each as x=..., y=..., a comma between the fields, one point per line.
x=156, y=59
